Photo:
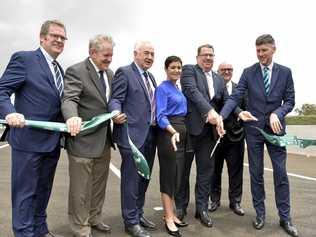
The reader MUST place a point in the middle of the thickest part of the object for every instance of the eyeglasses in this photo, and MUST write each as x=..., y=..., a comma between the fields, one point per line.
x=207, y=55
x=226, y=69
x=56, y=37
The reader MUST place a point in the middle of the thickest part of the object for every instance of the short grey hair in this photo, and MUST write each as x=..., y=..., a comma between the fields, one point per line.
x=265, y=39
x=141, y=43
x=96, y=41
x=45, y=26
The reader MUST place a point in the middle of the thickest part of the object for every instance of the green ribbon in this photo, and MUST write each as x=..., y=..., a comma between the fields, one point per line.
x=140, y=161
x=286, y=140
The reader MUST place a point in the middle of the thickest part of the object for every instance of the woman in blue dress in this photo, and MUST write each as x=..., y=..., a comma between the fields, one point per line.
x=171, y=108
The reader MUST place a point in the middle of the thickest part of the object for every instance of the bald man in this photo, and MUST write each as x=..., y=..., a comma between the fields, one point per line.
x=231, y=149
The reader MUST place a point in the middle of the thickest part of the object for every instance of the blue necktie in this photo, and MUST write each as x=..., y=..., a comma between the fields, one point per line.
x=59, y=78
x=266, y=82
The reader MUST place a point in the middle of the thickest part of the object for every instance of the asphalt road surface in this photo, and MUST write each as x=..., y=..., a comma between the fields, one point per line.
x=303, y=200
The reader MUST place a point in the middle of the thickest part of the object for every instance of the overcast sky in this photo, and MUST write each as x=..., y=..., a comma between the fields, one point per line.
x=176, y=28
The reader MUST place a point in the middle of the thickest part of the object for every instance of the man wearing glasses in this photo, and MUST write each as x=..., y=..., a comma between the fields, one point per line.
x=231, y=149
x=205, y=92
x=36, y=79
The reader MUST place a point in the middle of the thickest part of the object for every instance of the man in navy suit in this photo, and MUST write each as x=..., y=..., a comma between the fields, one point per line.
x=132, y=94
x=35, y=78
x=271, y=97
x=205, y=93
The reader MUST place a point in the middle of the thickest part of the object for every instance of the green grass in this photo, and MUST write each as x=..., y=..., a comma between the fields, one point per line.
x=301, y=120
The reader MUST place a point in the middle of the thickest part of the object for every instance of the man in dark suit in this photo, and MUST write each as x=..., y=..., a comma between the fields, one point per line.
x=86, y=94
x=231, y=149
x=271, y=97
x=37, y=81
x=205, y=93
x=132, y=95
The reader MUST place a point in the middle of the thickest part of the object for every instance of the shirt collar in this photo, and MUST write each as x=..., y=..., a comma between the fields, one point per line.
x=46, y=55
x=229, y=84
x=94, y=66
x=141, y=71
x=270, y=66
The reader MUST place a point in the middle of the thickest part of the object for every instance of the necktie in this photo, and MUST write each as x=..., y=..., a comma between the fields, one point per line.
x=266, y=82
x=59, y=79
x=102, y=81
x=151, y=97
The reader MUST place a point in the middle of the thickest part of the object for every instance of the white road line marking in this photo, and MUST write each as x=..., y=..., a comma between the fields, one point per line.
x=3, y=146
x=289, y=174
x=115, y=170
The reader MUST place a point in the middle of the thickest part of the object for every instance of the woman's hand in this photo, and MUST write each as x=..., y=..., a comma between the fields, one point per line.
x=174, y=139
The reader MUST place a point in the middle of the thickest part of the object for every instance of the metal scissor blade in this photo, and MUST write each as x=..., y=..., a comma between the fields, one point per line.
x=216, y=144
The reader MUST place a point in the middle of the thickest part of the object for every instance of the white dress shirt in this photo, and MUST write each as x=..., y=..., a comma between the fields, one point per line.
x=229, y=87
x=209, y=78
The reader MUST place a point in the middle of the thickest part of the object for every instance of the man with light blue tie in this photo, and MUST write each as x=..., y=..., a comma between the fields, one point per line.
x=36, y=79
x=271, y=97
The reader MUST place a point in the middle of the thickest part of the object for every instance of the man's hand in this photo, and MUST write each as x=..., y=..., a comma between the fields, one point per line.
x=220, y=126
x=15, y=120
x=212, y=117
x=275, y=123
x=120, y=118
x=247, y=116
x=174, y=139
x=74, y=125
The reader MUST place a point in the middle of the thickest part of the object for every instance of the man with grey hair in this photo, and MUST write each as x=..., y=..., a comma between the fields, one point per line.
x=231, y=149
x=133, y=89
x=86, y=94
x=36, y=79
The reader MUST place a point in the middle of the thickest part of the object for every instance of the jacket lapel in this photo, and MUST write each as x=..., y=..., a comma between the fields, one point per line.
x=259, y=79
x=45, y=67
x=95, y=79
x=215, y=83
x=110, y=77
x=274, y=77
x=204, y=80
x=140, y=80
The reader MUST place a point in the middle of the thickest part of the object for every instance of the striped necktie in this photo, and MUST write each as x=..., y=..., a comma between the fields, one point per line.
x=266, y=75
x=151, y=98
x=59, y=78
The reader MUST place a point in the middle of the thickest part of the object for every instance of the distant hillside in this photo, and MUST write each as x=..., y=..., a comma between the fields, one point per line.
x=301, y=120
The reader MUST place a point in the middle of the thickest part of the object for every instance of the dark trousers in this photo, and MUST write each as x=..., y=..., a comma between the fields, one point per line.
x=32, y=181
x=202, y=146
x=182, y=197
x=255, y=147
x=134, y=186
x=233, y=154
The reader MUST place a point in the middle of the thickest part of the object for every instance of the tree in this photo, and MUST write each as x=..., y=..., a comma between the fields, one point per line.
x=306, y=109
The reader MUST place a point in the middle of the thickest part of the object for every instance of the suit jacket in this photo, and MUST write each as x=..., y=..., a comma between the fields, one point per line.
x=84, y=97
x=130, y=96
x=36, y=97
x=280, y=100
x=195, y=88
x=233, y=125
